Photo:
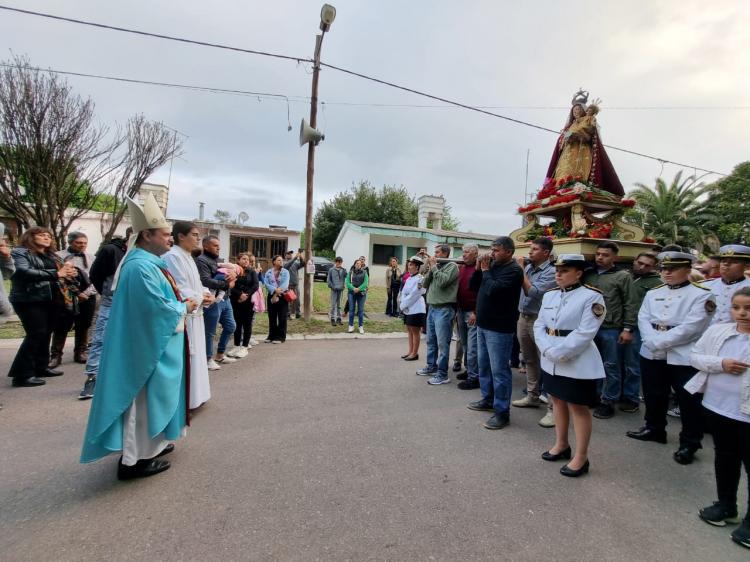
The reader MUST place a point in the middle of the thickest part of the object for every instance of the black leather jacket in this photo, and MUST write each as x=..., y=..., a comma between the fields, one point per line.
x=35, y=279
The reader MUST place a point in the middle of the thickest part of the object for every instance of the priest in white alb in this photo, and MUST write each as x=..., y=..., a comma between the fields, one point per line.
x=181, y=265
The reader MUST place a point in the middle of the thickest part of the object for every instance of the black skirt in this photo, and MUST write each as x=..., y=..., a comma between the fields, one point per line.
x=576, y=391
x=416, y=320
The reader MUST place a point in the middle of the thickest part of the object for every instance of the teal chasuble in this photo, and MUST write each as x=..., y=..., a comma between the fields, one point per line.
x=141, y=349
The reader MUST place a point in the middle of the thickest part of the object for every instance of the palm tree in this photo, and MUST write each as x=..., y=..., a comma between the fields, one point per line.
x=674, y=213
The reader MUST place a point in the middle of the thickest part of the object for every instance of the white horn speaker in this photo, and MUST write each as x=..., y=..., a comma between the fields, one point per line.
x=308, y=134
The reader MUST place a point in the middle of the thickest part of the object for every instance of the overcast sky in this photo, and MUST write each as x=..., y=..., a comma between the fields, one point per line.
x=240, y=157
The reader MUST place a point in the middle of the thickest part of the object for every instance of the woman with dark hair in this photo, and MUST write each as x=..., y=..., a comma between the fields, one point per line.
x=413, y=307
x=181, y=266
x=36, y=293
x=276, y=281
x=356, y=283
x=569, y=318
x=242, y=306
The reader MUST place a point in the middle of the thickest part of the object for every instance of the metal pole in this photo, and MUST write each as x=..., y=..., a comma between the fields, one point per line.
x=307, y=302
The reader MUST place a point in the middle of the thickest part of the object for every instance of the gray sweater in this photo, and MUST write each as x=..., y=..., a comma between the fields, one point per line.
x=336, y=278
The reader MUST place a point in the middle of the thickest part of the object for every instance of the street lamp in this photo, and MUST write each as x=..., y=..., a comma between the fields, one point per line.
x=327, y=15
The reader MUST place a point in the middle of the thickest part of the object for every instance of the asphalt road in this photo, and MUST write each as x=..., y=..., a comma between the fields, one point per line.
x=335, y=450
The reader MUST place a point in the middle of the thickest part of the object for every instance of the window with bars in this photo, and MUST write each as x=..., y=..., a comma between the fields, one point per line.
x=259, y=248
x=278, y=247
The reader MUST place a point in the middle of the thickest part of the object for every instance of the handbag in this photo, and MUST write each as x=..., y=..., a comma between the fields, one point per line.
x=290, y=295
x=259, y=303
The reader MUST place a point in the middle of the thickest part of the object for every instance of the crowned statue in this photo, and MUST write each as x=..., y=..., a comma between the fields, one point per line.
x=579, y=152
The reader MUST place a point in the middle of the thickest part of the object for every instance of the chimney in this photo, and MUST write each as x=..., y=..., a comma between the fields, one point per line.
x=201, y=210
x=431, y=208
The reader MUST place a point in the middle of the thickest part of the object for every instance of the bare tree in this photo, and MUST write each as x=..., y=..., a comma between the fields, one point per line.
x=56, y=163
x=148, y=146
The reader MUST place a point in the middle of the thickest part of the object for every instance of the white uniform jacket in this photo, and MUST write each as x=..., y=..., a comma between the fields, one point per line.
x=723, y=294
x=564, y=332
x=672, y=319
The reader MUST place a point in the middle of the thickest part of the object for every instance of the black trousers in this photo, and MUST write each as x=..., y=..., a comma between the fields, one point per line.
x=731, y=451
x=391, y=303
x=243, y=317
x=658, y=377
x=81, y=323
x=38, y=320
x=277, y=315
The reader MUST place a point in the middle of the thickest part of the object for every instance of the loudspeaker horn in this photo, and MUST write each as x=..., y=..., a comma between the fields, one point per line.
x=308, y=134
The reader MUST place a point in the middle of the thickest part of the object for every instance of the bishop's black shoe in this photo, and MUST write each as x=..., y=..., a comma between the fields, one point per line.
x=166, y=450
x=647, y=434
x=142, y=469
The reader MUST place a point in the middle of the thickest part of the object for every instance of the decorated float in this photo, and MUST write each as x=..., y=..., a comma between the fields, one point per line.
x=581, y=202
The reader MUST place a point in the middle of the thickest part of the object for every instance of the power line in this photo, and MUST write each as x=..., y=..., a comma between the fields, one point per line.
x=345, y=71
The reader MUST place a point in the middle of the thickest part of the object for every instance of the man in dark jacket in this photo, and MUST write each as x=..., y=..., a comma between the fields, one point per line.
x=498, y=280
x=102, y=272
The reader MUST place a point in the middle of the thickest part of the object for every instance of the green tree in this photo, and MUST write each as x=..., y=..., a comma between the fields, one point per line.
x=674, y=213
x=364, y=202
x=729, y=201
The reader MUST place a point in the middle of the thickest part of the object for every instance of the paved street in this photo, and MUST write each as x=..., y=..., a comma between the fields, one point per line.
x=335, y=450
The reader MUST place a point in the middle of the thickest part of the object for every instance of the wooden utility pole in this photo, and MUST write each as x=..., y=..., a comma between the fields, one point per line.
x=307, y=302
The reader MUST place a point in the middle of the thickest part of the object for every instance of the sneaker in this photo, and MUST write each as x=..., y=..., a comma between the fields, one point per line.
x=604, y=411
x=361, y=330
x=544, y=398
x=719, y=514
x=674, y=412
x=741, y=535
x=481, y=406
x=253, y=342
x=213, y=365
x=425, y=372
x=277, y=342
x=88, y=388
x=350, y=329
x=241, y=352
x=457, y=366
x=233, y=352
x=226, y=360
x=468, y=384
x=437, y=379
x=629, y=407
x=527, y=402
x=333, y=322
x=267, y=340
x=497, y=422
x=548, y=420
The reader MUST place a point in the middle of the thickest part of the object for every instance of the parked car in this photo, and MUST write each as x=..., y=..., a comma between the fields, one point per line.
x=322, y=265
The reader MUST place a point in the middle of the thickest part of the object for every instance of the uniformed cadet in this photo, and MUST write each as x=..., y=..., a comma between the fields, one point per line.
x=734, y=259
x=569, y=318
x=672, y=318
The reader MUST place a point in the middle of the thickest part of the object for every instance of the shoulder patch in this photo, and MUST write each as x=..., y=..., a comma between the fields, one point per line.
x=598, y=309
x=710, y=306
x=592, y=288
x=694, y=284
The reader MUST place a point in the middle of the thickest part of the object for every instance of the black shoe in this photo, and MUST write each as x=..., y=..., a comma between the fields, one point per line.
x=468, y=384
x=497, y=422
x=629, y=407
x=405, y=356
x=481, y=406
x=50, y=373
x=604, y=411
x=564, y=454
x=741, y=535
x=412, y=358
x=462, y=376
x=456, y=366
x=567, y=471
x=31, y=381
x=141, y=469
x=719, y=514
x=88, y=389
x=338, y=321
x=333, y=322
x=166, y=450
x=684, y=455
x=648, y=434
x=298, y=316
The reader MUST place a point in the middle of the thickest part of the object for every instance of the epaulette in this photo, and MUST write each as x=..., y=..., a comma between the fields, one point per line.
x=694, y=284
x=657, y=287
x=592, y=288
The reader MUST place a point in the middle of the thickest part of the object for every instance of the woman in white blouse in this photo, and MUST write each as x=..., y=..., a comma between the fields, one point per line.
x=413, y=306
x=722, y=356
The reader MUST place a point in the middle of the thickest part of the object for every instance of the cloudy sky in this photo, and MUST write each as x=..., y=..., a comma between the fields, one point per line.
x=674, y=77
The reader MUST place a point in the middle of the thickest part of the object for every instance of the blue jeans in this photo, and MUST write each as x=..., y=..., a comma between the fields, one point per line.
x=218, y=313
x=495, y=378
x=439, y=332
x=468, y=335
x=631, y=386
x=97, y=340
x=611, y=352
x=357, y=299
